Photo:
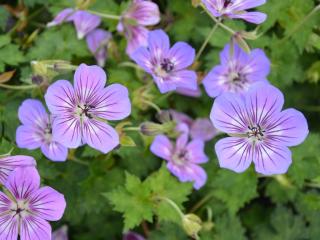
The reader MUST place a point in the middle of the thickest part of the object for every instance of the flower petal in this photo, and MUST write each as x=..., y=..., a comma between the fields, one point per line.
x=9, y=226
x=85, y=22
x=143, y=58
x=48, y=204
x=100, y=135
x=271, y=159
x=181, y=55
x=189, y=93
x=158, y=43
x=203, y=129
x=228, y=114
x=55, y=151
x=60, y=97
x=60, y=234
x=240, y=5
x=252, y=17
x=66, y=15
x=32, y=113
x=144, y=12
x=88, y=81
x=23, y=181
x=289, y=128
x=162, y=147
x=257, y=66
x=196, y=152
x=29, y=137
x=164, y=85
x=215, y=83
x=184, y=79
x=8, y=164
x=35, y=228
x=137, y=37
x=234, y=153
x=113, y=103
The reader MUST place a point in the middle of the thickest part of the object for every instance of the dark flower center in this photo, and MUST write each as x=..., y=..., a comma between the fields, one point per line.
x=84, y=110
x=180, y=157
x=167, y=65
x=227, y=3
x=256, y=132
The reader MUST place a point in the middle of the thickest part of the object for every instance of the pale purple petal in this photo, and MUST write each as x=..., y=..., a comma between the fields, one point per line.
x=158, y=43
x=144, y=12
x=258, y=66
x=143, y=58
x=188, y=92
x=9, y=227
x=240, y=5
x=23, y=181
x=271, y=159
x=182, y=141
x=55, y=151
x=228, y=114
x=164, y=85
x=60, y=97
x=181, y=117
x=8, y=164
x=181, y=55
x=232, y=58
x=162, y=147
x=186, y=79
x=60, y=234
x=252, y=17
x=35, y=228
x=113, y=103
x=85, y=22
x=29, y=137
x=196, y=152
x=234, y=153
x=137, y=36
x=32, y=113
x=5, y=204
x=66, y=15
x=203, y=129
x=100, y=135
x=88, y=81
x=289, y=128
x=47, y=204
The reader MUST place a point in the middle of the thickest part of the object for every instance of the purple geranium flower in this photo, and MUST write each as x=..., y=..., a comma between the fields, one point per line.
x=259, y=131
x=167, y=65
x=60, y=234
x=97, y=41
x=132, y=236
x=80, y=111
x=36, y=131
x=9, y=163
x=66, y=15
x=236, y=9
x=141, y=13
x=85, y=22
x=26, y=208
x=237, y=71
x=183, y=158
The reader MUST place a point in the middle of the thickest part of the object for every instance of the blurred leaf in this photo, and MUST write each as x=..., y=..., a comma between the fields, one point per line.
x=6, y=76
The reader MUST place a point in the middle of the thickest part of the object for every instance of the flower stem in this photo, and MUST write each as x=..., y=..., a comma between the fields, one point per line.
x=22, y=87
x=201, y=202
x=76, y=160
x=172, y=204
x=151, y=104
x=205, y=43
x=133, y=129
x=105, y=15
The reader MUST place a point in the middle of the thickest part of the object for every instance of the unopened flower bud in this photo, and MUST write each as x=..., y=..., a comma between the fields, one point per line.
x=37, y=79
x=151, y=129
x=164, y=116
x=283, y=180
x=249, y=35
x=241, y=42
x=192, y=224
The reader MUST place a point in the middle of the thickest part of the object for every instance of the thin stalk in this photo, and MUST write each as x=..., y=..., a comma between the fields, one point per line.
x=133, y=129
x=205, y=43
x=105, y=15
x=172, y=204
x=199, y=204
x=151, y=104
x=76, y=160
x=22, y=87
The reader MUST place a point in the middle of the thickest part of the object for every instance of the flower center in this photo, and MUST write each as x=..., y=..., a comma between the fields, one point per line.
x=227, y=3
x=256, y=132
x=167, y=65
x=21, y=208
x=48, y=133
x=180, y=157
x=83, y=110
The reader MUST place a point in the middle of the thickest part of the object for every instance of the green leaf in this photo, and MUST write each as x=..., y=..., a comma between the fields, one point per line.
x=4, y=17
x=228, y=227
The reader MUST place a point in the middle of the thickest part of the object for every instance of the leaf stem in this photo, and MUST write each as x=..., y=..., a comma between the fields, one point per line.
x=105, y=15
x=172, y=204
x=201, y=202
x=22, y=87
x=151, y=104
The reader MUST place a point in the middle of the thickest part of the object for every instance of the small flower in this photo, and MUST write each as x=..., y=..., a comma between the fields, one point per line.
x=141, y=13
x=183, y=158
x=236, y=9
x=9, y=163
x=167, y=65
x=66, y=15
x=85, y=22
x=27, y=207
x=237, y=71
x=132, y=236
x=97, y=41
x=259, y=131
x=60, y=234
x=36, y=131
x=80, y=111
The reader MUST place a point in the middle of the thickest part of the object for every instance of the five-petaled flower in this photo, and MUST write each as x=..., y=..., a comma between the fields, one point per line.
x=26, y=207
x=237, y=71
x=36, y=131
x=259, y=131
x=80, y=112
x=141, y=13
x=167, y=65
x=183, y=158
x=236, y=9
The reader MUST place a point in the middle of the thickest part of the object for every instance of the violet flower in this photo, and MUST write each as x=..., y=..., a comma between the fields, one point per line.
x=167, y=65
x=60, y=234
x=141, y=13
x=9, y=163
x=26, y=207
x=36, y=131
x=132, y=236
x=80, y=111
x=237, y=71
x=236, y=9
x=66, y=15
x=97, y=41
x=259, y=131
x=182, y=158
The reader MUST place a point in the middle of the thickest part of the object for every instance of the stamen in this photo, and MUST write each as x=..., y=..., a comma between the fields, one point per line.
x=167, y=65
x=227, y=3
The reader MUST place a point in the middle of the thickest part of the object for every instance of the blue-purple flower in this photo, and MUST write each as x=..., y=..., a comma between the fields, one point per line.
x=97, y=41
x=260, y=132
x=237, y=71
x=81, y=111
x=66, y=15
x=36, y=131
x=236, y=9
x=132, y=236
x=167, y=65
x=140, y=14
x=182, y=158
